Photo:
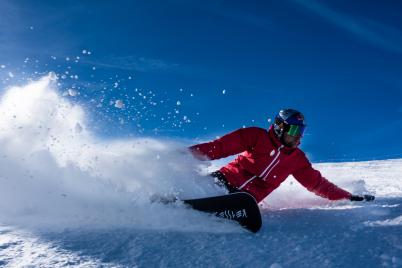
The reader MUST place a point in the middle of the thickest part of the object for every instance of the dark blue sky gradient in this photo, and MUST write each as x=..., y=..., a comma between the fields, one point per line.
x=228, y=63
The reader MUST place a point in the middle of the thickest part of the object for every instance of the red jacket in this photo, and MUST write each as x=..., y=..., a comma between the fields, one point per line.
x=264, y=163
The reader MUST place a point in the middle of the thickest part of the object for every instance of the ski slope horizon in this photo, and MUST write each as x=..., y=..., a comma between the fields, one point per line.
x=62, y=186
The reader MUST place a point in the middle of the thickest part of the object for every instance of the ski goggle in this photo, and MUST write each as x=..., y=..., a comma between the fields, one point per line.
x=295, y=130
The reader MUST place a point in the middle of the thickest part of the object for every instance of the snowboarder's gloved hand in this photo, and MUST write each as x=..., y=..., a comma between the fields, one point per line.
x=365, y=197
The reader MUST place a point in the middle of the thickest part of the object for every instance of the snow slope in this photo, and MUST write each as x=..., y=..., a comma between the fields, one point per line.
x=68, y=198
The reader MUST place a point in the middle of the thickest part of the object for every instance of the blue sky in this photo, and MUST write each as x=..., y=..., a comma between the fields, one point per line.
x=199, y=69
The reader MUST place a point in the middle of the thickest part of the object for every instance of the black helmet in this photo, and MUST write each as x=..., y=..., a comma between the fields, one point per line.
x=290, y=121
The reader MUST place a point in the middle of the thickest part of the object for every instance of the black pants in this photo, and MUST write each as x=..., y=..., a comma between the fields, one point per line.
x=221, y=180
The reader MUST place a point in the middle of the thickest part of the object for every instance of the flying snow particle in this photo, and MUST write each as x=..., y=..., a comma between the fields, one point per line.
x=84, y=51
x=94, y=68
x=2, y=66
x=78, y=128
x=72, y=92
x=119, y=104
x=224, y=91
x=269, y=120
x=52, y=76
x=10, y=74
x=31, y=28
x=178, y=103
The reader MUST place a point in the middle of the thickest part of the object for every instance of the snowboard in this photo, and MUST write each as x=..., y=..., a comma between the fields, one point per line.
x=240, y=207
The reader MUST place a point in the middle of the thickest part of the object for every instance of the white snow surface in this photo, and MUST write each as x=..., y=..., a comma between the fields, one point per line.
x=70, y=199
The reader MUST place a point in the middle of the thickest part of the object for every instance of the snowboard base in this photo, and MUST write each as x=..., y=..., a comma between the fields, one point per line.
x=240, y=207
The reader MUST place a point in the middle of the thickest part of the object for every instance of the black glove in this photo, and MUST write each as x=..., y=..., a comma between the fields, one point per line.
x=365, y=197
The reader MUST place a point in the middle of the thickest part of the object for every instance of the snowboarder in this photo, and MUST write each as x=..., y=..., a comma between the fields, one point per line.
x=266, y=158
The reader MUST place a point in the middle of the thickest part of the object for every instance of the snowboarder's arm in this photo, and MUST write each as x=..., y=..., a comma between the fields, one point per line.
x=316, y=183
x=233, y=143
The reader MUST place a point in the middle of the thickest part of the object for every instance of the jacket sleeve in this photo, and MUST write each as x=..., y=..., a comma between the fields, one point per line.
x=233, y=143
x=316, y=183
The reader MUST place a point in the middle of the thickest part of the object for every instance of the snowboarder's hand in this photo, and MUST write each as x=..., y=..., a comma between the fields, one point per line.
x=365, y=197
